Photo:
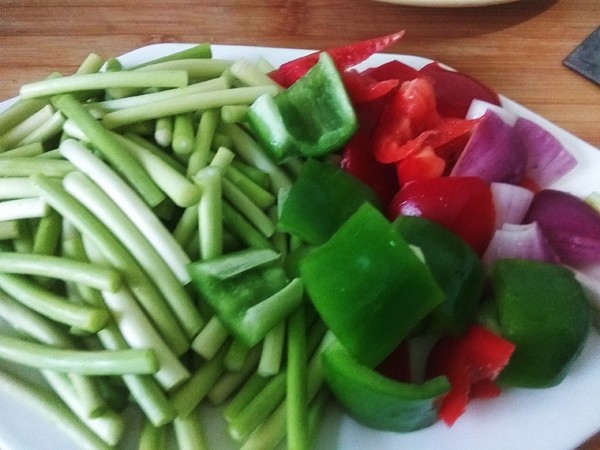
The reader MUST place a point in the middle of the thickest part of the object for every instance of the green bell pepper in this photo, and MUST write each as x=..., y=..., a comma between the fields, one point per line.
x=377, y=401
x=455, y=267
x=543, y=310
x=248, y=290
x=368, y=285
x=313, y=117
x=321, y=199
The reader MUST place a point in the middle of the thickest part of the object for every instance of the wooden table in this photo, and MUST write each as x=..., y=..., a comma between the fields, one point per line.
x=517, y=48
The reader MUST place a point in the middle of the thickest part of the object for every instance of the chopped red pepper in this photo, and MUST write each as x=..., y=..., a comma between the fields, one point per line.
x=484, y=389
x=343, y=57
x=411, y=113
x=433, y=153
x=422, y=165
x=369, y=113
x=357, y=159
x=454, y=91
x=392, y=70
x=471, y=362
x=411, y=122
x=464, y=205
x=362, y=88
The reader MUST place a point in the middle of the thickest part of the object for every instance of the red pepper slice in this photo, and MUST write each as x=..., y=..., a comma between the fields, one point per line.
x=392, y=70
x=471, y=362
x=420, y=166
x=343, y=57
x=357, y=159
x=411, y=122
x=362, y=88
x=484, y=389
x=411, y=112
x=454, y=91
x=463, y=205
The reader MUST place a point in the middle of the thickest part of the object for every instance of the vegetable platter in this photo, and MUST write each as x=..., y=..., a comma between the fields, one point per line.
x=557, y=417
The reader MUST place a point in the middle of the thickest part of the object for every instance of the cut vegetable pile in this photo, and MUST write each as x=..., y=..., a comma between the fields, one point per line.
x=194, y=230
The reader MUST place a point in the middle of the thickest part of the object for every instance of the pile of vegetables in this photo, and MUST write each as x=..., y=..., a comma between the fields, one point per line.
x=196, y=230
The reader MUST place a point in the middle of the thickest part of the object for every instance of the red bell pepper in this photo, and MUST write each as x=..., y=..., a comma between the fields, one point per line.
x=357, y=159
x=343, y=57
x=411, y=113
x=392, y=70
x=411, y=123
x=471, y=363
x=435, y=152
x=362, y=88
x=454, y=91
x=464, y=205
x=422, y=165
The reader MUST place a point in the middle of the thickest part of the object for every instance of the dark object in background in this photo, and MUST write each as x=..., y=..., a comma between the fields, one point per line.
x=585, y=59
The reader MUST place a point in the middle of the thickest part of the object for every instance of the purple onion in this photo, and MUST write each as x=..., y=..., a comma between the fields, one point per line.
x=571, y=226
x=547, y=159
x=493, y=152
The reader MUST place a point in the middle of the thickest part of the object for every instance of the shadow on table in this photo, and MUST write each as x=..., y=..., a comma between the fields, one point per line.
x=460, y=21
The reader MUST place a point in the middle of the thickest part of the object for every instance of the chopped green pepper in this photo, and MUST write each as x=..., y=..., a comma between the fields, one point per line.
x=377, y=401
x=321, y=199
x=456, y=268
x=369, y=286
x=543, y=310
x=313, y=117
x=248, y=290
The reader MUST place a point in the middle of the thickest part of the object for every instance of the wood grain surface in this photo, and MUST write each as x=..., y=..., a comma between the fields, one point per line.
x=517, y=48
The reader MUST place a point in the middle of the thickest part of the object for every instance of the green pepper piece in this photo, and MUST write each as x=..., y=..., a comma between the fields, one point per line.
x=321, y=199
x=543, y=310
x=313, y=117
x=456, y=268
x=248, y=290
x=291, y=264
x=377, y=401
x=369, y=286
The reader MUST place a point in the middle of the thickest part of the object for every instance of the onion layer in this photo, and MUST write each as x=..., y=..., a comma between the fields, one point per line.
x=571, y=226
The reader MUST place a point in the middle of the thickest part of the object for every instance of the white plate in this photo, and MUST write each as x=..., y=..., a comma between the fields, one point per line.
x=447, y=3
x=559, y=418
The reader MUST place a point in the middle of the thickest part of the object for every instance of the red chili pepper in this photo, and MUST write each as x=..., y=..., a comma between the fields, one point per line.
x=471, y=362
x=343, y=57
